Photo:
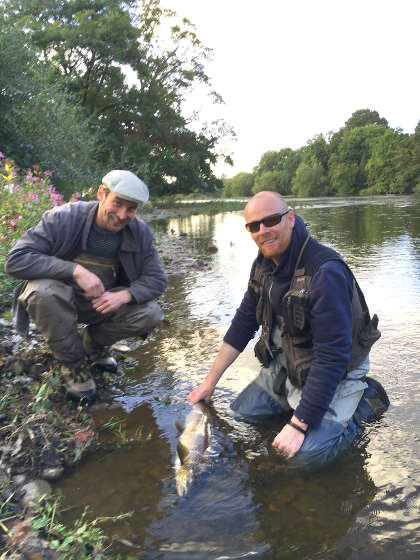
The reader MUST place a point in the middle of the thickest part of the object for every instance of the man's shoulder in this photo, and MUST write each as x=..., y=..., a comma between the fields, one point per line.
x=71, y=209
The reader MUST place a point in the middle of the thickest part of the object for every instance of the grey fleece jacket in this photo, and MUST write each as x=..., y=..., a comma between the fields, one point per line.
x=47, y=250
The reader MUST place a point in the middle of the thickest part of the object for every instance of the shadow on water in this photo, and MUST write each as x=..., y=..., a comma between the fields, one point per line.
x=245, y=501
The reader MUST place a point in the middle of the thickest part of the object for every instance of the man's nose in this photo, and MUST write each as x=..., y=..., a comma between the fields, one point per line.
x=263, y=229
x=122, y=214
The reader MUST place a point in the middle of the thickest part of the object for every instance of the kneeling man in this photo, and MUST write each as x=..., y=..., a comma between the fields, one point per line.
x=316, y=334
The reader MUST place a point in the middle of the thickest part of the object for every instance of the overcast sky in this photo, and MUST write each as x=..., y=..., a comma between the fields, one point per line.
x=291, y=69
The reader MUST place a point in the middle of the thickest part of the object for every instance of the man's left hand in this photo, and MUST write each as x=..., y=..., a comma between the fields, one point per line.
x=110, y=301
x=289, y=440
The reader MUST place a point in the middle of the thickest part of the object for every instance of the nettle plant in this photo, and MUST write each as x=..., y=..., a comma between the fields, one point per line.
x=24, y=197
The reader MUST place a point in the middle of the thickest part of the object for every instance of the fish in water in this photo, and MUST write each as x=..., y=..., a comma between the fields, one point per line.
x=194, y=440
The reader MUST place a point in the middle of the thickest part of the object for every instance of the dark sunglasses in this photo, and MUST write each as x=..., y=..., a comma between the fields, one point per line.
x=268, y=221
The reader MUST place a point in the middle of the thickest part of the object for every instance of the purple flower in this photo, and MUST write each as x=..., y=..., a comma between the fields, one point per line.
x=1, y=155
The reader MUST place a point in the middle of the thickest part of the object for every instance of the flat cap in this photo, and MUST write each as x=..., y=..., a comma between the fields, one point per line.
x=126, y=185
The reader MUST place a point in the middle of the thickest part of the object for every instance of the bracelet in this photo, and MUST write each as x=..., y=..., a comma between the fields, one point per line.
x=296, y=427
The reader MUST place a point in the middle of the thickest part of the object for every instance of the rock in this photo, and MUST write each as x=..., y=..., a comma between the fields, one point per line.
x=34, y=548
x=52, y=473
x=19, y=479
x=36, y=369
x=22, y=380
x=33, y=490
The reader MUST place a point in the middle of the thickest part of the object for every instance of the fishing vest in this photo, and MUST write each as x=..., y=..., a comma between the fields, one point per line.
x=294, y=320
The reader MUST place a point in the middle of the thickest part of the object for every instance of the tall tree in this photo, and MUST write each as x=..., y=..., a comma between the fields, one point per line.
x=347, y=166
x=363, y=117
x=277, y=169
x=132, y=79
x=40, y=122
x=394, y=166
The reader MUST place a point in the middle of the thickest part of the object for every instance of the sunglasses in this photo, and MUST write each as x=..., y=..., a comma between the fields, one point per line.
x=269, y=221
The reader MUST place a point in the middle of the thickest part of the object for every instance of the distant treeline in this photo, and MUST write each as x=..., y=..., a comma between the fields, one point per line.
x=91, y=85
x=364, y=157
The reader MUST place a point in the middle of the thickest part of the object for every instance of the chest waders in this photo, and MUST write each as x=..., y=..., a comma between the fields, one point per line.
x=105, y=268
x=294, y=322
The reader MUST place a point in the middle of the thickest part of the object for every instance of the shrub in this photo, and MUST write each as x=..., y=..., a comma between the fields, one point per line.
x=24, y=197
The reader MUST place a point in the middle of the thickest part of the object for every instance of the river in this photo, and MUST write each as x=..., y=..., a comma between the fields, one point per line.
x=245, y=502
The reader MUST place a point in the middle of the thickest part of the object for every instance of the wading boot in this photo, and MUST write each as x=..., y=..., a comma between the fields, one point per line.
x=80, y=386
x=103, y=361
x=97, y=355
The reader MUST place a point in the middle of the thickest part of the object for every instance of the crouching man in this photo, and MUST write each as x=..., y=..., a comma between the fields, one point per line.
x=92, y=263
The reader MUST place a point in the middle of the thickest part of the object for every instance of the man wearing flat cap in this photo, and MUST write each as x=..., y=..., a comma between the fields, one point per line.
x=90, y=263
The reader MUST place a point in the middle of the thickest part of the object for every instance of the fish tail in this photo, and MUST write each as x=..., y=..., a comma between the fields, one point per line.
x=182, y=480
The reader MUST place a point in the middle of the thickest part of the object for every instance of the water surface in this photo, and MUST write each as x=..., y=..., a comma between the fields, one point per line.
x=245, y=502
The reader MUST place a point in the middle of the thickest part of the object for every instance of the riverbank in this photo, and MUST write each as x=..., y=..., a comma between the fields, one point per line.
x=43, y=437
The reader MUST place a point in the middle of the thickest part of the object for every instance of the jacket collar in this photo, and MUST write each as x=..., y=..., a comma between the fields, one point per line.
x=128, y=242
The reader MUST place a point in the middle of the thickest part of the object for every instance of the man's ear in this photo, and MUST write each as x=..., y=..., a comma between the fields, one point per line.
x=100, y=195
x=291, y=218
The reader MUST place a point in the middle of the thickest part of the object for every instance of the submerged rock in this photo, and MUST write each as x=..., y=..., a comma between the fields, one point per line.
x=33, y=490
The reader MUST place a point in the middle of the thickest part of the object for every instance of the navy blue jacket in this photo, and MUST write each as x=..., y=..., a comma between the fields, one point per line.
x=331, y=325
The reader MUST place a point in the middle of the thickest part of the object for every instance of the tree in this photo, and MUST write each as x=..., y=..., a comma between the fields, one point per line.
x=394, y=165
x=310, y=180
x=40, y=123
x=347, y=166
x=277, y=169
x=364, y=117
x=267, y=181
x=240, y=185
x=132, y=80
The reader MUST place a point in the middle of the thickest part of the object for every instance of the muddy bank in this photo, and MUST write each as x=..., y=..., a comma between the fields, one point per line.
x=42, y=435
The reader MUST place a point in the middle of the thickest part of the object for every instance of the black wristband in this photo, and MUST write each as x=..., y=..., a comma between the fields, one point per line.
x=296, y=427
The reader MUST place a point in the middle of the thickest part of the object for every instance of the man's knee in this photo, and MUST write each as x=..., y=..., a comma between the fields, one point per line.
x=136, y=319
x=46, y=292
x=154, y=314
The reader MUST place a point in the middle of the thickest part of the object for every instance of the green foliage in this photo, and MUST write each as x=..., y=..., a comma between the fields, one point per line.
x=267, y=181
x=347, y=166
x=130, y=66
x=81, y=542
x=364, y=117
x=283, y=165
x=310, y=180
x=40, y=122
x=24, y=197
x=238, y=186
x=394, y=166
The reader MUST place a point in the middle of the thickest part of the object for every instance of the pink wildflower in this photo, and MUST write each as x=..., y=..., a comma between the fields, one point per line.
x=1, y=155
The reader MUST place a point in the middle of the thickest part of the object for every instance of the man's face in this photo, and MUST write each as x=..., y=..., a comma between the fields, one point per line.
x=114, y=212
x=272, y=241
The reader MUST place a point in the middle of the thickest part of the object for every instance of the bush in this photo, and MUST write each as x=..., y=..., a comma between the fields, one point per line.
x=24, y=196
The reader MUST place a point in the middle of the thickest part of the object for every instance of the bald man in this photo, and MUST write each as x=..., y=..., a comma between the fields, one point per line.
x=316, y=334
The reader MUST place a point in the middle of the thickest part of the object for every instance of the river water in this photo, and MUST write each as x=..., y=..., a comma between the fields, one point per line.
x=244, y=501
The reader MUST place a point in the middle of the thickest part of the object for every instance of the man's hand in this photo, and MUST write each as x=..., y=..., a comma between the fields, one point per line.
x=110, y=301
x=201, y=393
x=289, y=440
x=89, y=282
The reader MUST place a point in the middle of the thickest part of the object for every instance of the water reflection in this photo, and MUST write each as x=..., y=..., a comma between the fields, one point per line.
x=246, y=503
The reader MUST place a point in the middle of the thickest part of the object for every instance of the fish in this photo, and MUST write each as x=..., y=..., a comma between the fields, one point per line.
x=193, y=442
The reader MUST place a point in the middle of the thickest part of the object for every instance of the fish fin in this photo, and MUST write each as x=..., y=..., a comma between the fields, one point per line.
x=182, y=452
x=180, y=427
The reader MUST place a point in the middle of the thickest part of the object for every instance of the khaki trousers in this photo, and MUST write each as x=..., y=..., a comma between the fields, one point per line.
x=58, y=307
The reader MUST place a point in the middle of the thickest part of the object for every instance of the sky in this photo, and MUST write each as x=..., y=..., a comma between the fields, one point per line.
x=289, y=70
